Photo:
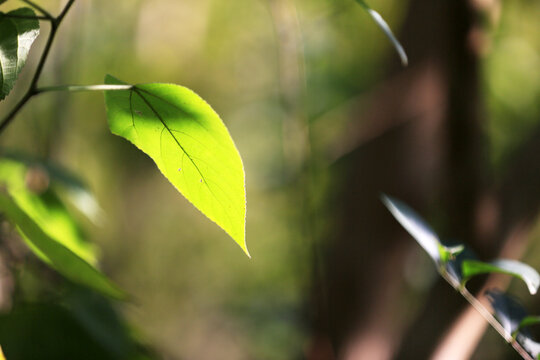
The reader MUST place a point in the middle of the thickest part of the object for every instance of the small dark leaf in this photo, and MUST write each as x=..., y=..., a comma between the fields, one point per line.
x=18, y=32
x=508, y=310
x=530, y=345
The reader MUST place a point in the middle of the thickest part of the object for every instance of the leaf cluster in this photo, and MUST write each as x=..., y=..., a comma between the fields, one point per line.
x=457, y=264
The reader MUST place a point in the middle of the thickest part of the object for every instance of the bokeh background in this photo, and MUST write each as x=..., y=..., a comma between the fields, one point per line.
x=325, y=119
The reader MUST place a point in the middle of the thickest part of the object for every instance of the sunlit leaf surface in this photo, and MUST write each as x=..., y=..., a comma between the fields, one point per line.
x=189, y=144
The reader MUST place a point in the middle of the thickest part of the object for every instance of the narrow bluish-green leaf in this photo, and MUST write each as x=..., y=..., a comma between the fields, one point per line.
x=387, y=31
x=416, y=226
x=57, y=255
x=514, y=268
x=189, y=144
x=17, y=33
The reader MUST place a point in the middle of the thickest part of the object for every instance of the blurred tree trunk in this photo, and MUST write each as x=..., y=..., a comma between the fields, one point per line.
x=428, y=152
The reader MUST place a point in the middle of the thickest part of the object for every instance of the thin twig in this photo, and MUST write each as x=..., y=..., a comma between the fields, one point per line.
x=486, y=314
x=55, y=23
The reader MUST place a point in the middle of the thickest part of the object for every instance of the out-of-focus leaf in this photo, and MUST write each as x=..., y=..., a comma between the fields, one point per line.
x=508, y=310
x=1, y=2
x=190, y=145
x=48, y=332
x=18, y=32
x=57, y=255
x=97, y=315
x=416, y=226
x=517, y=269
x=28, y=187
x=530, y=345
x=66, y=183
x=387, y=31
x=2, y=357
x=529, y=321
x=421, y=231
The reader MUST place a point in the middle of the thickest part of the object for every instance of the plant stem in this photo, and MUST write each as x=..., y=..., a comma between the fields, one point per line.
x=73, y=88
x=45, y=13
x=32, y=90
x=486, y=314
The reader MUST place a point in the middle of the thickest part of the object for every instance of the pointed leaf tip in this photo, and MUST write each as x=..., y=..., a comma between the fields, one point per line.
x=383, y=25
x=416, y=226
x=189, y=144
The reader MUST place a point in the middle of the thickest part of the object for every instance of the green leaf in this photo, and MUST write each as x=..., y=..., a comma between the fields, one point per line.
x=65, y=182
x=57, y=255
x=18, y=34
x=529, y=321
x=44, y=207
x=517, y=269
x=387, y=31
x=189, y=144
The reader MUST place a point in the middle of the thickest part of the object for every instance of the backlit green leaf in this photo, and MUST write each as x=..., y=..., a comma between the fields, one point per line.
x=387, y=31
x=18, y=31
x=517, y=269
x=189, y=144
x=57, y=255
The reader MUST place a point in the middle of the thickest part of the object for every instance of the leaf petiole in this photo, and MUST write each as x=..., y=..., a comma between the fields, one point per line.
x=75, y=88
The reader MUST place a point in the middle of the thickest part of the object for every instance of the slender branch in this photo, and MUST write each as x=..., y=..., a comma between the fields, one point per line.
x=32, y=90
x=74, y=88
x=9, y=117
x=60, y=17
x=486, y=314
x=45, y=13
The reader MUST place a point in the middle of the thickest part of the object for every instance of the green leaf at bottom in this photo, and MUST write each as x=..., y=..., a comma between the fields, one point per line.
x=189, y=144
x=57, y=255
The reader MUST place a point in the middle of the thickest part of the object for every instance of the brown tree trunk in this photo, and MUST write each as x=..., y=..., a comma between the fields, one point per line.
x=429, y=152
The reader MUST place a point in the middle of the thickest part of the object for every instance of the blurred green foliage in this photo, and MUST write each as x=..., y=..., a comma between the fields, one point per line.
x=195, y=296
